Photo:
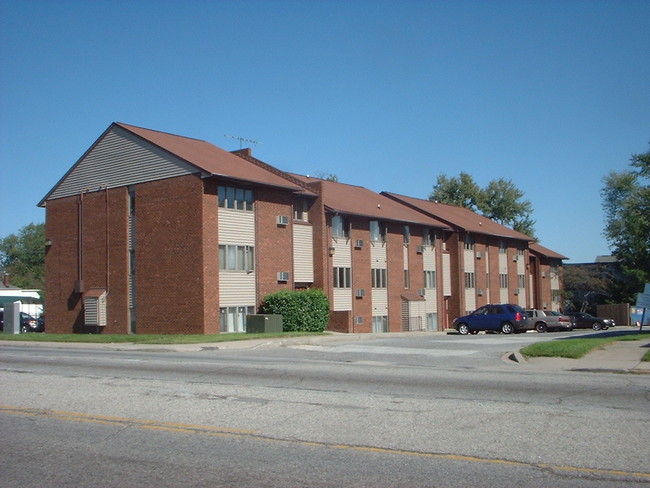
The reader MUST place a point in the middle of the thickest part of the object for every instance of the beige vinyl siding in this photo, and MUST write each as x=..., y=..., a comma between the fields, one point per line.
x=342, y=253
x=503, y=269
x=342, y=299
x=236, y=288
x=237, y=227
x=303, y=254
x=379, y=301
x=429, y=259
x=429, y=264
x=378, y=255
x=446, y=274
x=120, y=158
x=342, y=259
x=469, y=266
x=521, y=270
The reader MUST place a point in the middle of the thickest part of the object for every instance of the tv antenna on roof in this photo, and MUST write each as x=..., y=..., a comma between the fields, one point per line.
x=242, y=139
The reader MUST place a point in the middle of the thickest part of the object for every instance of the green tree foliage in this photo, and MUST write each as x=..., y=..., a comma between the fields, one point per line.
x=23, y=257
x=302, y=311
x=460, y=191
x=626, y=202
x=585, y=286
x=500, y=201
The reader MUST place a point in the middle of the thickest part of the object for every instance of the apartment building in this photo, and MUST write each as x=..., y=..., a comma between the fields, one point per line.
x=150, y=232
x=545, y=278
x=493, y=262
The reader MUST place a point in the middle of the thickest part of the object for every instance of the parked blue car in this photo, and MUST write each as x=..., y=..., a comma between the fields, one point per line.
x=504, y=318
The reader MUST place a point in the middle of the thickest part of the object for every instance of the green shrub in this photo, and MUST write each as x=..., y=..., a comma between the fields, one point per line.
x=302, y=310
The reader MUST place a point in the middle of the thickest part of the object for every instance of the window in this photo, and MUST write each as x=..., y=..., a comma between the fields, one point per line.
x=407, y=234
x=379, y=324
x=503, y=280
x=407, y=279
x=429, y=237
x=470, y=280
x=377, y=231
x=521, y=281
x=379, y=278
x=300, y=209
x=236, y=198
x=340, y=227
x=233, y=319
x=342, y=278
x=429, y=279
x=502, y=247
x=236, y=258
x=469, y=242
x=556, y=295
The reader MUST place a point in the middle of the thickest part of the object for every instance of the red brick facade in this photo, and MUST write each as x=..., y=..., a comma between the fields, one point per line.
x=174, y=263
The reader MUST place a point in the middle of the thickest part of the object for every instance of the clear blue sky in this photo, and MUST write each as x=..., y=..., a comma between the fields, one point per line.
x=388, y=95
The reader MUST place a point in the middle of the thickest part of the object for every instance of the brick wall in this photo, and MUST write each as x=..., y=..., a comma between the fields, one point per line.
x=274, y=246
x=169, y=257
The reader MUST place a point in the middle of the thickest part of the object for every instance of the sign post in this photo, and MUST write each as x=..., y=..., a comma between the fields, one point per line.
x=643, y=301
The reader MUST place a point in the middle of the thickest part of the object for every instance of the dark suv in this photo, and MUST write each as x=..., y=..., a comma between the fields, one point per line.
x=505, y=318
x=27, y=323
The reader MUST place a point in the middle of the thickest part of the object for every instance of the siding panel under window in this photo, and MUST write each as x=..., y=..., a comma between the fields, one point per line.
x=303, y=254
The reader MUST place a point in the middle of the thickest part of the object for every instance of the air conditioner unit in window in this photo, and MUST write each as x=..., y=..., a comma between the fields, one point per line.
x=479, y=254
x=360, y=293
x=283, y=220
x=332, y=250
x=358, y=243
x=543, y=274
x=283, y=276
x=420, y=249
x=422, y=292
x=358, y=320
x=515, y=257
x=480, y=292
x=516, y=291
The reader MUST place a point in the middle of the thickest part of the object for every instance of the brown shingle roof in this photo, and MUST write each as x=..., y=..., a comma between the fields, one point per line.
x=543, y=251
x=209, y=158
x=459, y=217
x=357, y=200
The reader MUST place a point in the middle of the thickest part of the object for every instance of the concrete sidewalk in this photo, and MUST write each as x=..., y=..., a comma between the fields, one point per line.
x=617, y=357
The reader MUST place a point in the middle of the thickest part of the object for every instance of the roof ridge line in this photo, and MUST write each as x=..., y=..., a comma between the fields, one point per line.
x=246, y=155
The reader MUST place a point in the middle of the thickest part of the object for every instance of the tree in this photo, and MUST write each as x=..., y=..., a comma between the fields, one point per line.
x=460, y=191
x=500, y=201
x=23, y=257
x=626, y=202
x=585, y=286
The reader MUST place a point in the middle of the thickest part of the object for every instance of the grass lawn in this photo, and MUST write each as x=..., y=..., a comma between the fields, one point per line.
x=147, y=338
x=575, y=348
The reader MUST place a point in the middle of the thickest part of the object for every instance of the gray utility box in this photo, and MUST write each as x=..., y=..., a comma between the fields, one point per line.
x=257, y=324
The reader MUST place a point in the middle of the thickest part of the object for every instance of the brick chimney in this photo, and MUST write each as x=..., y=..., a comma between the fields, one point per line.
x=5, y=280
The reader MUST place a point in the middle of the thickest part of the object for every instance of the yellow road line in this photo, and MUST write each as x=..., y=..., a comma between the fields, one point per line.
x=227, y=432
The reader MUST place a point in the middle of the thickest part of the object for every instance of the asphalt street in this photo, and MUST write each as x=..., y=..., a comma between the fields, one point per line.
x=417, y=411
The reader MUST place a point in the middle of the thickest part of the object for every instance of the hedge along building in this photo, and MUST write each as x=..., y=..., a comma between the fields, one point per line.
x=492, y=263
x=151, y=232
x=155, y=233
